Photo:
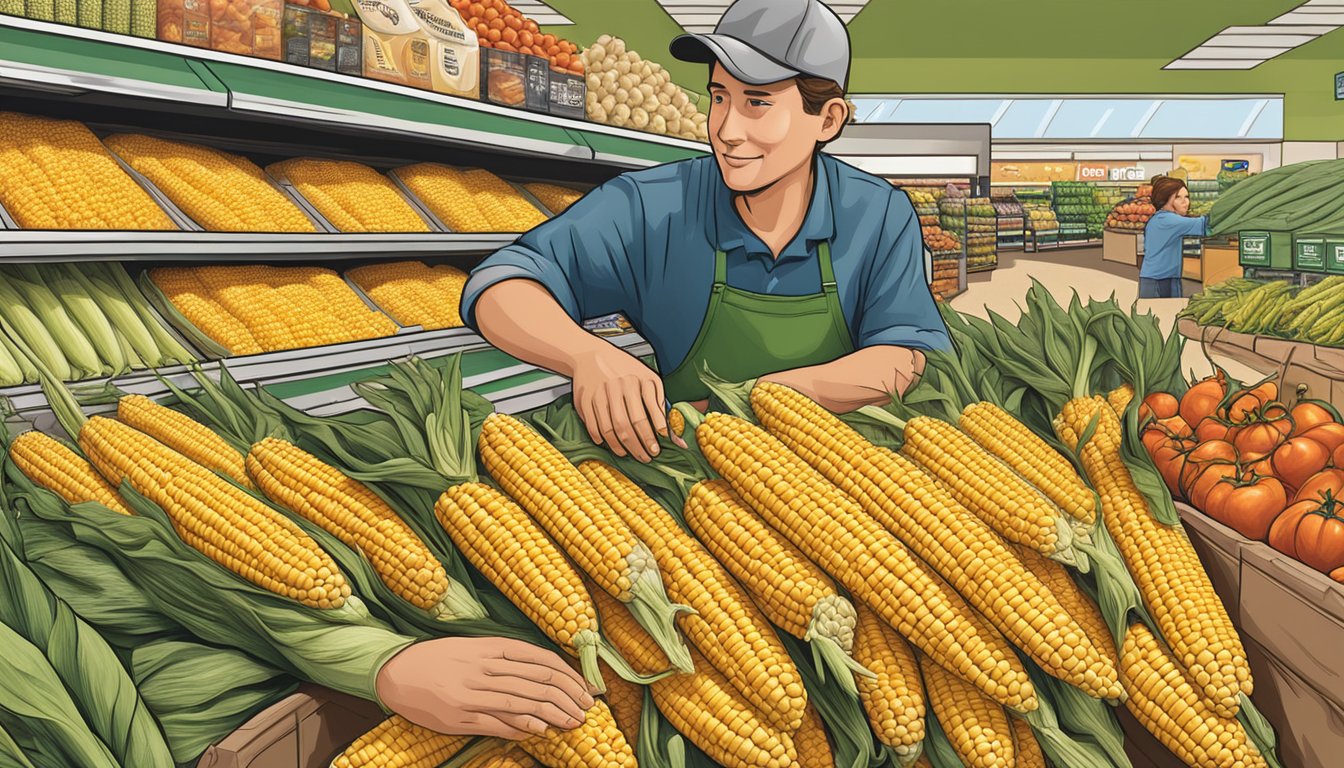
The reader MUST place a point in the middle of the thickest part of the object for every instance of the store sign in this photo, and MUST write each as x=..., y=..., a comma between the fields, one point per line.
x=1133, y=173
x=1093, y=172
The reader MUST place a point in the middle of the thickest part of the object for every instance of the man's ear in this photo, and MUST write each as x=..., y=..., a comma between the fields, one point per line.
x=837, y=115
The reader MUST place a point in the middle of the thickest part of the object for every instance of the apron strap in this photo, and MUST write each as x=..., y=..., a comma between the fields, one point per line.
x=824, y=261
x=720, y=270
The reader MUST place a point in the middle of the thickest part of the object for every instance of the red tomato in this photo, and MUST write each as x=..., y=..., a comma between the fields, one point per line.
x=1212, y=428
x=1248, y=507
x=1159, y=405
x=1258, y=440
x=1244, y=407
x=1330, y=480
x=1177, y=427
x=1298, y=459
x=1169, y=458
x=1200, y=401
x=1308, y=415
x=1204, y=481
x=1314, y=532
x=1330, y=435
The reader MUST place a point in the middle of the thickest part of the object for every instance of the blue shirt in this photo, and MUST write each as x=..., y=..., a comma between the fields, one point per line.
x=1162, y=242
x=643, y=244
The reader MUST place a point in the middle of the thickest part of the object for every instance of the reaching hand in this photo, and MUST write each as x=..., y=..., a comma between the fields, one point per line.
x=484, y=686
x=620, y=400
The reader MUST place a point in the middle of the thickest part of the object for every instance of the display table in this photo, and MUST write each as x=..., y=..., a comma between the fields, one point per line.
x=1122, y=247
x=1319, y=369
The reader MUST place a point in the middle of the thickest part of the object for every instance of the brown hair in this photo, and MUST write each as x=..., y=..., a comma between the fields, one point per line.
x=1165, y=188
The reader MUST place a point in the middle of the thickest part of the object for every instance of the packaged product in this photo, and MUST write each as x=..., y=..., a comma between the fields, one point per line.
x=247, y=27
x=326, y=40
x=514, y=79
x=396, y=49
x=456, y=51
x=185, y=21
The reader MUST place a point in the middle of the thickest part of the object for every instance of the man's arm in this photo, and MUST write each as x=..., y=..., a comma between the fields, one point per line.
x=869, y=376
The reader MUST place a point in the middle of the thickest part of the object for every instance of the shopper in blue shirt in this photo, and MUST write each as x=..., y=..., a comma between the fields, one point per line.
x=1160, y=276
x=768, y=259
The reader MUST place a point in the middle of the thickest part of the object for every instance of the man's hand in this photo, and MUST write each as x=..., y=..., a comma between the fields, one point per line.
x=621, y=402
x=869, y=376
x=484, y=686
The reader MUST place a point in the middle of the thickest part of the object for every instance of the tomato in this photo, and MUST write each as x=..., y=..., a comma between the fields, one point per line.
x=1244, y=407
x=1338, y=458
x=1329, y=435
x=1177, y=427
x=1169, y=458
x=1248, y=506
x=1212, y=428
x=1204, y=454
x=1313, y=532
x=1152, y=438
x=1263, y=467
x=1330, y=480
x=1203, y=482
x=1258, y=440
x=1298, y=459
x=1201, y=400
x=1337, y=575
x=1159, y=405
x=1307, y=415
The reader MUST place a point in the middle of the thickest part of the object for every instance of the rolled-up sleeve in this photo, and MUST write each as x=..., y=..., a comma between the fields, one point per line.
x=896, y=305
x=584, y=257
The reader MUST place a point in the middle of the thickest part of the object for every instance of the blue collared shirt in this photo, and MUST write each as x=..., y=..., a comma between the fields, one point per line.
x=1162, y=240
x=643, y=244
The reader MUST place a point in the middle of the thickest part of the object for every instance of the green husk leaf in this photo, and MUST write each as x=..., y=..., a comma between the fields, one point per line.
x=852, y=740
x=731, y=397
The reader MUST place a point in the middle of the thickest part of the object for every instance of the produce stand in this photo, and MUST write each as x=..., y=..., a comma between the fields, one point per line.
x=305, y=730
x=1319, y=369
x=1122, y=247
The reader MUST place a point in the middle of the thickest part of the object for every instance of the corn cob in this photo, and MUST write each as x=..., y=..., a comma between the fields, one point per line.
x=894, y=700
x=626, y=700
x=414, y=293
x=221, y=521
x=976, y=727
x=501, y=203
x=52, y=465
x=835, y=532
x=727, y=627
x=445, y=192
x=958, y=545
x=676, y=422
x=596, y=743
x=130, y=315
x=353, y=197
x=184, y=289
x=317, y=321
x=702, y=705
x=502, y=754
x=1028, y=749
x=1162, y=699
x=117, y=16
x=998, y=432
x=219, y=191
x=245, y=291
x=185, y=435
x=55, y=174
x=74, y=345
x=82, y=307
x=1174, y=585
x=510, y=550
x=144, y=15
x=28, y=333
x=1120, y=398
x=811, y=742
x=348, y=510
x=1075, y=601
x=359, y=319
x=398, y=743
x=571, y=511
x=557, y=199
x=987, y=487
x=11, y=373
x=922, y=762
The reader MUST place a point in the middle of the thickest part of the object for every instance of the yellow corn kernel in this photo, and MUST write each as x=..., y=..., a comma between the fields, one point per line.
x=557, y=199
x=398, y=743
x=185, y=435
x=894, y=700
x=811, y=742
x=1029, y=753
x=414, y=293
x=181, y=286
x=626, y=700
x=502, y=754
x=353, y=197
x=976, y=727
x=596, y=743
x=52, y=465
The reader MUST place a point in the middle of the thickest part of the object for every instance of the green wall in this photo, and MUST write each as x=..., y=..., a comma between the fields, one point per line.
x=1032, y=46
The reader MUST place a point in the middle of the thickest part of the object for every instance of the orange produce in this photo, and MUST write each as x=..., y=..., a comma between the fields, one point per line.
x=1169, y=458
x=1338, y=458
x=1298, y=459
x=1313, y=532
x=1308, y=414
x=1338, y=575
x=1208, y=478
x=1159, y=405
x=1201, y=400
x=1258, y=440
x=1330, y=435
x=1212, y=428
x=1328, y=481
x=1177, y=426
x=1204, y=455
x=1248, y=506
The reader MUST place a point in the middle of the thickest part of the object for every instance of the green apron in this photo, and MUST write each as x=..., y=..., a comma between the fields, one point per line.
x=746, y=335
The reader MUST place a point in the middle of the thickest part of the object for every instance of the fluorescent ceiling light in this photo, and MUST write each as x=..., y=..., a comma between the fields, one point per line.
x=541, y=13
x=1317, y=16
x=1214, y=64
x=1263, y=41
x=1247, y=47
x=1228, y=52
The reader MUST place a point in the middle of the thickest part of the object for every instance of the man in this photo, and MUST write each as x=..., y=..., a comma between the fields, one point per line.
x=767, y=260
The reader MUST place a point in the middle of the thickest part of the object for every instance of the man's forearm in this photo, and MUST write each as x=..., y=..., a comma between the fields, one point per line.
x=523, y=319
x=869, y=376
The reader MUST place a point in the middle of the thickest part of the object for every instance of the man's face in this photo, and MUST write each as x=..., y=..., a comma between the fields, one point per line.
x=760, y=133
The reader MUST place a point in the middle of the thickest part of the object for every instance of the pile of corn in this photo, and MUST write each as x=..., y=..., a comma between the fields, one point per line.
x=555, y=197
x=219, y=191
x=55, y=174
x=470, y=201
x=79, y=321
x=256, y=308
x=414, y=293
x=353, y=197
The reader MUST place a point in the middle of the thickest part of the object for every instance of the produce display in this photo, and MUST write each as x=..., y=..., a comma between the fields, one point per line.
x=925, y=199
x=1313, y=314
x=352, y=196
x=470, y=201
x=1131, y=215
x=975, y=221
x=1012, y=219
x=79, y=321
x=1231, y=173
x=1081, y=208
x=556, y=198
x=626, y=90
x=55, y=174
x=1271, y=470
x=220, y=191
x=414, y=293
x=125, y=17
x=1041, y=220
x=1302, y=197
x=255, y=308
x=500, y=25
x=1203, y=194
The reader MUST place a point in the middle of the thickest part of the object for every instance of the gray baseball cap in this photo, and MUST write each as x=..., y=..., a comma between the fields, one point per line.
x=765, y=41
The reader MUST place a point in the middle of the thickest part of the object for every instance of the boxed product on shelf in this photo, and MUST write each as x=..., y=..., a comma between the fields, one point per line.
x=514, y=79
x=568, y=94
x=184, y=21
x=455, y=51
x=247, y=27
x=396, y=50
x=323, y=39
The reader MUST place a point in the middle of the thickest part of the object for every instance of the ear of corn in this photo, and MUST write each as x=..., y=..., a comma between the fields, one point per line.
x=976, y=727
x=52, y=465
x=1162, y=699
x=11, y=373
x=221, y=521
x=596, y=743
x=1175, y=587
x=55, y=174
x=1076, y=603
x=557, y=199
x=517, y=557
x=185, y=435
x=347, y=509
x=414, y=293
x=1000, y=433
x=705, y=708
x=572, y=512
x=1120, y=398
x=219, y=191
x=446, y=193
x=353, y=197
x=398, y=743
x=630, y=639
x=122, y=317
x=76, y=347
x=182, y=287
x=987, y=487
x=1028, y=749
x=894, y=699
x=960, y=546
x=81, y=306
x=29, y=334
x=626, y=700
x=727, y=627
x=835, y=532
x=811, y=742
x=501, y=754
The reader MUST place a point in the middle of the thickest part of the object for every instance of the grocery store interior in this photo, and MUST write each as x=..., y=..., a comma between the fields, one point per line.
x=244, y=227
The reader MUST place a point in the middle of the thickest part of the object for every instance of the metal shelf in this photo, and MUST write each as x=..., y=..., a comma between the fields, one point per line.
x=88, y=245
